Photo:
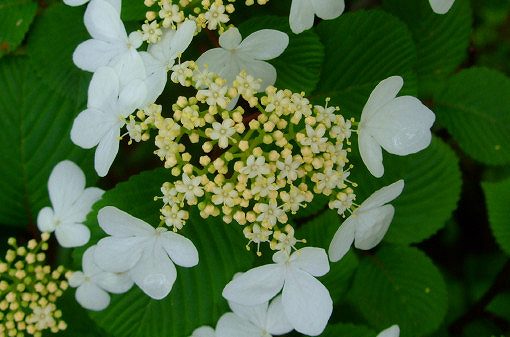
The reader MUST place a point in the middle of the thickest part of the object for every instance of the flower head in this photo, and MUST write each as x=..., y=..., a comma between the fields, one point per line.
x=145, y=253
x=71, y=202
x=302, y=12
x=400, y=125
x=307, y=304
x=367, y=224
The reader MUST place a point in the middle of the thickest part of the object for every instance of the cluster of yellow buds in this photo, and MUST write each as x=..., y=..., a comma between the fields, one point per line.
x=29, y=290
x=210, y=14
x=258, y=162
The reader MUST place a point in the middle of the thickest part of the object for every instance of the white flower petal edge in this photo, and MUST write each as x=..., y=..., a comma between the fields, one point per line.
x=368, y=224
x=93, y=283
x=392, y=331
x=71, y=202
x=249, y=54
x=441, y=6
x=145, y=253
x=400, y=125
x=306, y=302
x=115, y=3
x=203, y=331
x=302, y=12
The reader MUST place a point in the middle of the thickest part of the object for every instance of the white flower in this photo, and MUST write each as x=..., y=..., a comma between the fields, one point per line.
x=115, y=3
x=145, y=253
x=110, y=45
x=400, y=125
x=263, y=320
x=203, y=331
x=392, y=331
x=367, y=224
x=71, y=203
x=94, y=283
x=108, y=107
x=288, y=168
x=255, y=166
x=215, y=16
x=306, y=302
x=160, y=57
x=190, y=187
x=248, y=55
x=302, y=12
x=441, y=6
x=314, y=138
x=223, y=132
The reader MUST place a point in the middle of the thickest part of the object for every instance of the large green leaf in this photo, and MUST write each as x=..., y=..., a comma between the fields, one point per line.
x=474, y=107
x=400, y=285
x=348, y=330
x=15, y=19
x=361, y=49
x=196, y=296
x=318, y=232
x=497, y=196
x=299, y=66
x=441, y=40
x=52, y=58
x=36, y=123
x=432, y=188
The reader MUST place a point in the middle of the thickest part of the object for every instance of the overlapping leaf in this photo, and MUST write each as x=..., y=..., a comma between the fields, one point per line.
x=497, y=196
x=15, y=19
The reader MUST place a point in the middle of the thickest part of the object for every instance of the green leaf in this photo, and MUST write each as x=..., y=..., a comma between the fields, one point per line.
x=441, y=40
x=497, y=196
x=134, y=10
x=318, y=232
x=195, y=298
x=362, y=49
x=15, y=19
x=474, y=108
x=299, y=66
x=432, y=189
x=51, y=58
x=348, y=330
x=35, y=137
x=400, y=285
x=500, y=305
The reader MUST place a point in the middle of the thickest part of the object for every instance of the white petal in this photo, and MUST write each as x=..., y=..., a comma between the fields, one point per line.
x=154, y=273
x=265, y=44
x=342, y=240
x=180, y=249
x=104, y=90
x=156, y=78
x=313, y=260
x=371, y=153
x=441, y=6
x=256, y=286
x=75, y=2
x=307, y=303
x=103, y=22
x=65, y=185
x=81, y=207
x=106, y=151
x=215, y=59
x=117, y=283
x=118, y=255
x=92, y=54
x=121, y=224
x=383, y=195
x=328, y=9
x=132, y=96
x=392, y=331
x=261, y=70
x=92, y=297
x=45, y=220
x=88, y=263
x=277, y=323
x=72, y=235
x=90, y=127
x=230, y=39
x=382, y=94
x=231, y=325
x=256, y=314
x=203, y=331
x=372, y=225
x=182, y=38
x=77, y=279
x=301, y=16
x=129, y=66
x=402, y=126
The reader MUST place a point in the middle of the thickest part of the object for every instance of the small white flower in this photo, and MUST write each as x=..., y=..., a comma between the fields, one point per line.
x=263, y=320
x=115, y=3
x=160, y=57
x=392, y=331
x=255, y=166
x=288, y=168
x=145, y=253
x=215, y=16
x=400, y=125
x=302, y=12
x=93, y=284
x=223, y=132
x=107, y=109
x=306, y=302
x=441, y=6
x=368, y=224
x=204, y=331
x=270, y=213
x=225, y=194
x=249, y=55
x=315, y=138
x=71, y=203
x=190, y=187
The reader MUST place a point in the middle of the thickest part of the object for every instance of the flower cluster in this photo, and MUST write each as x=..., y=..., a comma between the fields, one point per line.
x=29, y=290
